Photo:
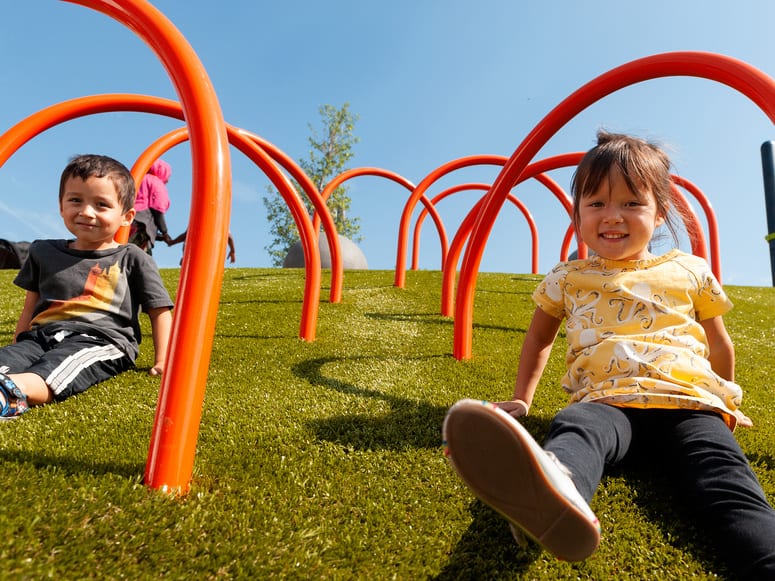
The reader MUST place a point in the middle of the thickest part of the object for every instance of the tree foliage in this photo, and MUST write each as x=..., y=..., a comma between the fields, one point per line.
x=330, y=150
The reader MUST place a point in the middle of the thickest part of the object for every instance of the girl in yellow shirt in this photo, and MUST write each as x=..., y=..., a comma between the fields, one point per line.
x=650, y=370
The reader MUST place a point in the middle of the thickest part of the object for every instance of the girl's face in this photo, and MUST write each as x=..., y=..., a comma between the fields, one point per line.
x=615, y=223
x=92, y=212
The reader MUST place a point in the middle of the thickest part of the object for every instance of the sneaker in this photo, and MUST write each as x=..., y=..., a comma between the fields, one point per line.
x=505, y=468
x=14, y=402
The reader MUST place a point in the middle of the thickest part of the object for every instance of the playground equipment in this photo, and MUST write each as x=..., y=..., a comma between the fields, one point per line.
x=739, y=75
x=418, y=193
x=178, y=413
x=337, y=273
x=176, y=423
x=467, y=187
x=768, y=171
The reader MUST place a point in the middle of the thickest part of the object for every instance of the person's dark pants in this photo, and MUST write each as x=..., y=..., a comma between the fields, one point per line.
x=711, y=471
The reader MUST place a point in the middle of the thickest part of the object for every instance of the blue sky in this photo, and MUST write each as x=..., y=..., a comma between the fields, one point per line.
x=430, y=80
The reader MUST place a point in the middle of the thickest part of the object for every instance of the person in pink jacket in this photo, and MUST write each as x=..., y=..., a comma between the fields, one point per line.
x=151, y=205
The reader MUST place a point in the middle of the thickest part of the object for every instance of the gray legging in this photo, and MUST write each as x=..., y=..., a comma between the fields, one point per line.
x=710, y=470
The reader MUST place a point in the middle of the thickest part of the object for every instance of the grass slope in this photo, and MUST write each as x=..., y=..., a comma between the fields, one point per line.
x=324, y=459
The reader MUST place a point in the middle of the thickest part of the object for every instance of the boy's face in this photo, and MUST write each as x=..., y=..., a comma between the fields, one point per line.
x=92, y=212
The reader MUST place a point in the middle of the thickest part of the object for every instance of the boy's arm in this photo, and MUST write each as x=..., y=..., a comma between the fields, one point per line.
x=161, y=326
x=722, y=357
x=532, y=360
x=23, y=324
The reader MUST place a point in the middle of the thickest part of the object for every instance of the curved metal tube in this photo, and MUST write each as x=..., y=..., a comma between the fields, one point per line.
x=739, y=75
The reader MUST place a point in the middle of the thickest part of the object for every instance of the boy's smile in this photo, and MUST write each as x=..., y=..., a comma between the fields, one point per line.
x=92, y=212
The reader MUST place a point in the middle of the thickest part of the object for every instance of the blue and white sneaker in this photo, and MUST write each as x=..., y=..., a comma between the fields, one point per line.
x=14, y=402
x=506, y=468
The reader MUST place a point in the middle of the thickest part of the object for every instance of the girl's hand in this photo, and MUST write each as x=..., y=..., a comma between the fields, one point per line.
x=515, y=408
x=743, y=420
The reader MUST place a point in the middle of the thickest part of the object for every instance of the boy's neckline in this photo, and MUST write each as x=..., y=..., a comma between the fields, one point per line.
x=70, y=245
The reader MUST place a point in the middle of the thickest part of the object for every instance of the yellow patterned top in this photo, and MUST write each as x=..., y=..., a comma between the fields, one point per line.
x=634, y=338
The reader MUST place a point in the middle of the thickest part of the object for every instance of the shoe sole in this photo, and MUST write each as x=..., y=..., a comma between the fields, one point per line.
x=494, y=455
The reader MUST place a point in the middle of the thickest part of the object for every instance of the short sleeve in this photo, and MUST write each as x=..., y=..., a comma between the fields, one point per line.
x=710, y=300
x=549, y=296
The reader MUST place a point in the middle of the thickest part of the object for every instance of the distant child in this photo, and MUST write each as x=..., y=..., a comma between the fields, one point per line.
x=79, y=324
x=151, y=206
x=650, y=373
x=232, y=255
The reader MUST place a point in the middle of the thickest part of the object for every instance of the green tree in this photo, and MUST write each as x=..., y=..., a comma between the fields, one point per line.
x=330, y=151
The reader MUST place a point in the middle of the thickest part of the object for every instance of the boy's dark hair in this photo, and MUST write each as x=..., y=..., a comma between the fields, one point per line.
x=100, y=166
x=643, y=166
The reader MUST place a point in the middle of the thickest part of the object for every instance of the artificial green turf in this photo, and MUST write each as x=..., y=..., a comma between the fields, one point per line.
x=324, y=459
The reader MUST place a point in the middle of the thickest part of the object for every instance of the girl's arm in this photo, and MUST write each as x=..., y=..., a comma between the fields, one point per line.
x=722, y=357
x=532, y=360
x=23, y=324
x=722, y=351
x=161, y=326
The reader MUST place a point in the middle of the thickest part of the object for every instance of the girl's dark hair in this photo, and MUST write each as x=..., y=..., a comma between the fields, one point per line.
x=642, y=164
x=100, y=166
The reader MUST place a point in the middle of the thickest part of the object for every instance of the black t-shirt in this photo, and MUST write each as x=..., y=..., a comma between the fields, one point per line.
x=93, y=291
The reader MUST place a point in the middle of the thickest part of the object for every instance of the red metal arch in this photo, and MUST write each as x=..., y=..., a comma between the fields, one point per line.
x=337, y=270
x=537, y=171
x=419, y=192
x=246, y=142
x=710, y=217
x=465, y=187
x=739, y=75
x=164, y=143
x=176, y=426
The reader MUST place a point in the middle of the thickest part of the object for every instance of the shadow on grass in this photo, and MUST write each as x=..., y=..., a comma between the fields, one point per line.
x=290, y=301
x=436, y=319
x=409, y=424
x=487, y=550
x=765, y=459
x=71, y=466
x=656, y=497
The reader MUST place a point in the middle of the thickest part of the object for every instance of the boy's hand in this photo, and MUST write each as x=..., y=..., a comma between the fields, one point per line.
x=156, y=370
x=515, y=408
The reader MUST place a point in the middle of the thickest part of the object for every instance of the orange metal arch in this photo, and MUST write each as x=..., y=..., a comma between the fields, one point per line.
x=318, y=203
x=176, y=426
x=739, y=75
x=465, y=187
x=166, y=142
x=378, y=172
x=419, y=192
x=462, y=235
x=67, y=110
x=710, y=217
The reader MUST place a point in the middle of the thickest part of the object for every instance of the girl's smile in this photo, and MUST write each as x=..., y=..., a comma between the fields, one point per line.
x=616, y=223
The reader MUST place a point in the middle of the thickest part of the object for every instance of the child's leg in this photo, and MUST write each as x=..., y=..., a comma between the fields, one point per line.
x=53, y=366
x=77, y=362
x=14, y=359
x=504, y=466
x=33, y=386
x=726, y=493
x=587, y=436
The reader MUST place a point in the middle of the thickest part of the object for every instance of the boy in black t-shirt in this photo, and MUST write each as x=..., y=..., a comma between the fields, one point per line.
x=79, y=324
